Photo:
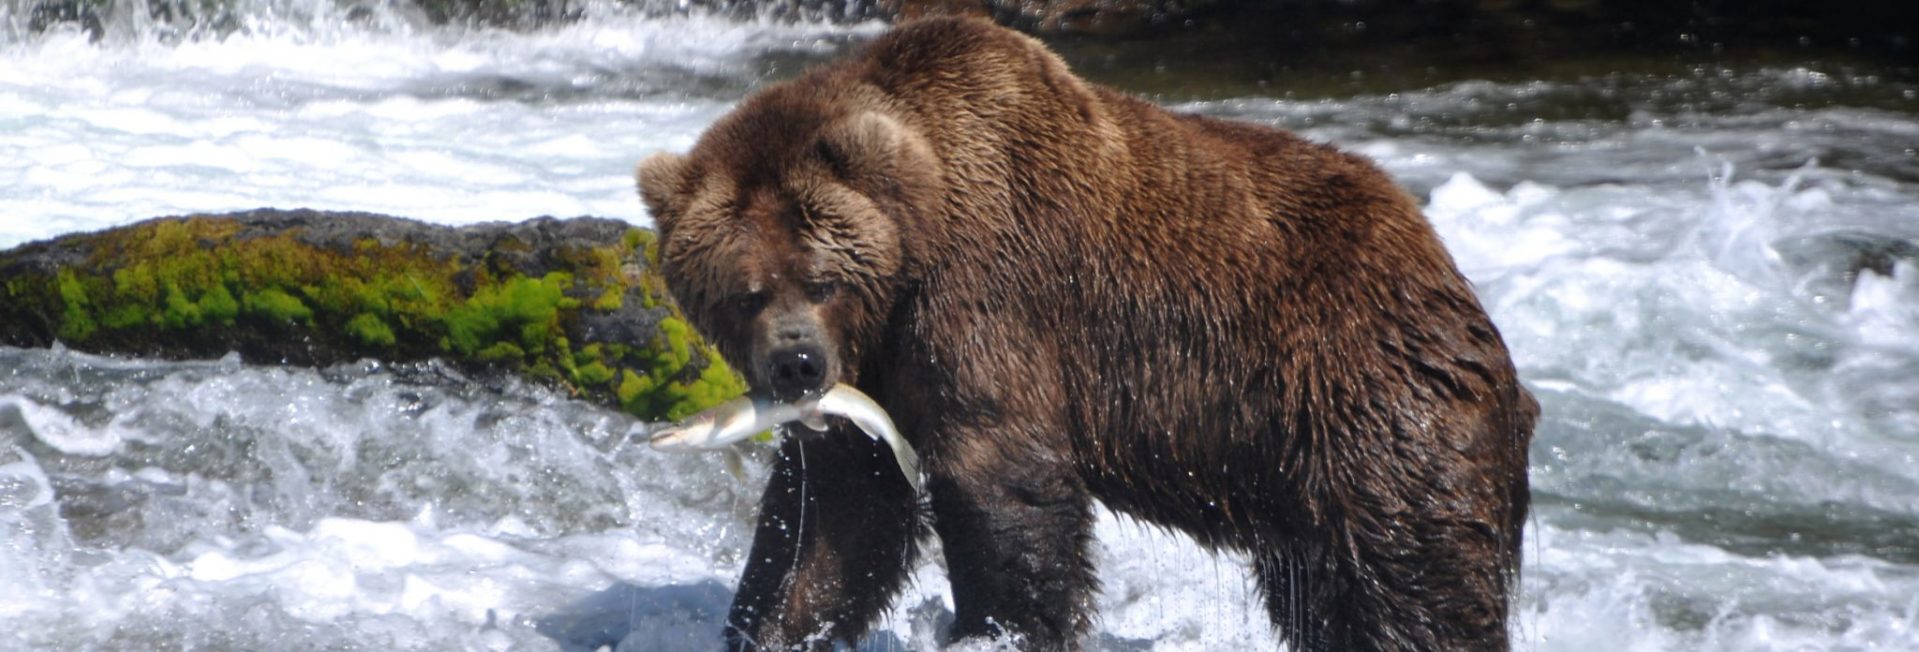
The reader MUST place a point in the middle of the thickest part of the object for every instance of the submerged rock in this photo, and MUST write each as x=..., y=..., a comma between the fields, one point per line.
x=571, y=303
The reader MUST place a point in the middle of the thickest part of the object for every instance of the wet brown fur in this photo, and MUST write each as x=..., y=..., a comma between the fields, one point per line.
x=1063, y=294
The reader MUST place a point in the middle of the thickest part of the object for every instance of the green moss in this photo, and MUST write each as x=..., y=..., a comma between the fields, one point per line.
x=500, y=352
x=609, y=301
x=180, y=311
x=469, y=330
x=126, y=316
x=532, y=305
x=218, y=304
x=136, y=282
x=371, y=331
x=542, y=370
x=646, y=242
x=76, y=324
x=679, y=342
x=590, y=353
x=633, y=392
x=718, y=383
x=592, y=374
x=278, y=307
x=533, y=336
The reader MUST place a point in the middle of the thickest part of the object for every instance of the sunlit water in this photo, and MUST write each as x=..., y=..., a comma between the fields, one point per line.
x=1710, y=278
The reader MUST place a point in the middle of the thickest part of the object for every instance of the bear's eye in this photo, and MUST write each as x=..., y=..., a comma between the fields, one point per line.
x=747, y=303
x=820, y=291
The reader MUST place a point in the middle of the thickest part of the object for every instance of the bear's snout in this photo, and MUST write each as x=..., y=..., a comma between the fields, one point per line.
x=795, y=371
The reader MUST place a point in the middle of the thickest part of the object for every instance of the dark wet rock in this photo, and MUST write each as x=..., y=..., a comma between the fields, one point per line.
x=1829, y=264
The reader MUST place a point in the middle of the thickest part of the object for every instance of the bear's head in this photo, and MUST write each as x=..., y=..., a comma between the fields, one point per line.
x=781, y=234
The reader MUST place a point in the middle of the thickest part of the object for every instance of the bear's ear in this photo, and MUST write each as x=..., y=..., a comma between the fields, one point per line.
x=661, y=179
x=863, y=146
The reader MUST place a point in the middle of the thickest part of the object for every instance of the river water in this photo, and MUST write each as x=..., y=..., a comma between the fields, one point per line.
x=1708, y=272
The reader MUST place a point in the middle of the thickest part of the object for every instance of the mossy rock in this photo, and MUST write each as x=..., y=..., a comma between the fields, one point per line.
x=571, y=303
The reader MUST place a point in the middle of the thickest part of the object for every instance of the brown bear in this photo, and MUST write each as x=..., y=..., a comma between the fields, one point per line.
x=1064, y=294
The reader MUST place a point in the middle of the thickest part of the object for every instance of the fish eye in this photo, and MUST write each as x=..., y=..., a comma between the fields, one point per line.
x=747, y=303
x=820, y=291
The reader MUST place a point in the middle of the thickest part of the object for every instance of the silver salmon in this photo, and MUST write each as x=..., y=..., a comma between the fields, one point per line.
x=741, y=418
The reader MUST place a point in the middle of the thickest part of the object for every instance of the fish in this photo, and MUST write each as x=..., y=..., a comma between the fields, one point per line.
x=855, y=406
x=742, y=418
x=732, y=422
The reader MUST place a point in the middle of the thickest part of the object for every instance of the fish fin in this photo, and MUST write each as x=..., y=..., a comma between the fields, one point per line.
x=735, y=465
x=643, y=431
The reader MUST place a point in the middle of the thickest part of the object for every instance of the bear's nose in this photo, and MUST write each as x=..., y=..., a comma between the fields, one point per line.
x=796, y=371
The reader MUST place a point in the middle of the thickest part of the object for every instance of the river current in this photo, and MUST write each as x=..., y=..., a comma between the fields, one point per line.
x=1708, y=273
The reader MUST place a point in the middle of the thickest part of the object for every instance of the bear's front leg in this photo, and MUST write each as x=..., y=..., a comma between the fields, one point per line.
x=837, y=530
x=1015, y=523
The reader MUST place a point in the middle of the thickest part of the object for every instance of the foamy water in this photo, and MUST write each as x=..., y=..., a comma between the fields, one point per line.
x=1710, y=279
x=450, y=127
